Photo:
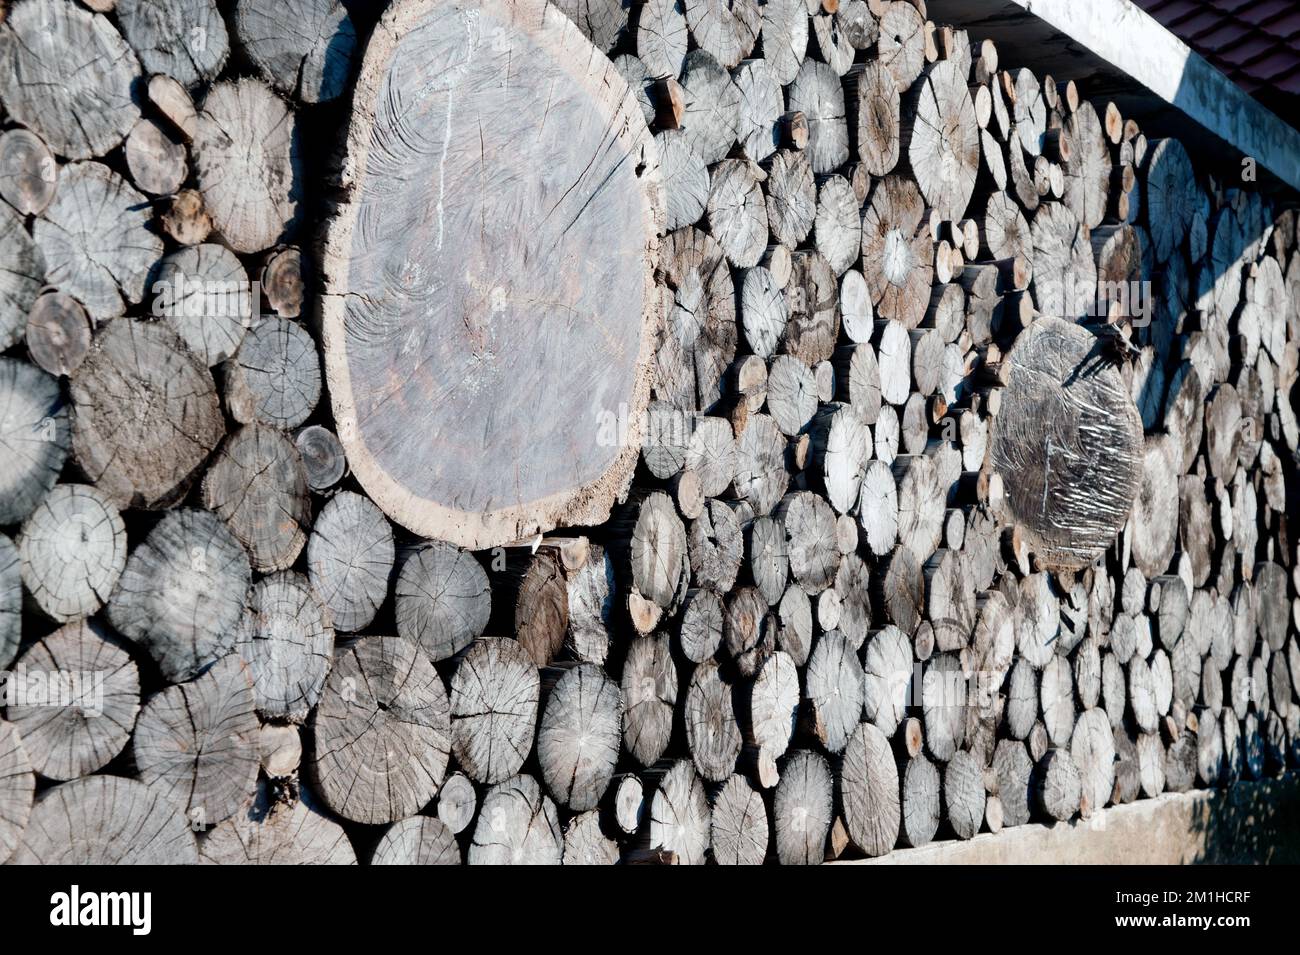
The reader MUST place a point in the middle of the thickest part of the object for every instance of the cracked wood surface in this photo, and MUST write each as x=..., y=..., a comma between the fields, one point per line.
x=463, y=313
x=1068, y=444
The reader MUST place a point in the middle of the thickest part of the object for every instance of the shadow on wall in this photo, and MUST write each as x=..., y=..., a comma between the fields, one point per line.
x=1257, y=823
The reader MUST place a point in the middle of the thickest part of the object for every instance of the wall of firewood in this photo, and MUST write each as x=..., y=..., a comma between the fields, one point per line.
x=832, y=616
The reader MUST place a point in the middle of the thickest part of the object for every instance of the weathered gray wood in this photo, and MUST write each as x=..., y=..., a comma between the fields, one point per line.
x=73, y=550
x=874, y=112
x=761, y=478
x=79, y=701
x=252, y=195
x=418, y=840
x=834, y=691
x=1180, y=763
x=586, y=844
x=1088, y=167
x=887, y=665
x=302, y=47
x=182, y=593
x=661, y=36
x=748, y=627
x=106, y=820
x=762, y=103
x=1005, y=232
x=95, y=241
x=1271, y=592
x=494, y=696
x=322, y=456
x=273, y=832
x=1092, y=747
x=920, y=504
x=809, y=525
x=198, y=743
x=1059, y=788
x=649, y=687
x=858, y=316
x=67, y=74
x=901, y=46
x=701, y=321
x=738, y=824
x=58, y=333
x=173, y=101
x=34, y=437
x=679, y=819
x=1209, y=748
x=853, y=593
x=802, y=808
x=712, y=732
x=22, y=279
x=942, y=139
x=736, y=211
x=1154, y=525
x=184, y=39
x=1050, y=461
x=949, y=599
x=868, y=792
x=716, y=547
x=349, y=562
x=817, y=93
x=1013, y=770
x=919, y=802
x=578, y=736
x=837, y=227
x=286, y=638
x=791, y=197
x=712, y=116
x=784, y=33
x=442, y=598
x=726, y=30
x=897, y=251
x=280, y=747
x=878, y=507
x=764, y=310
x=146, y=414
x=768, y=713
x=944, y=699
x=457, y=802
x=796, y=624
x=791, y=391
x=11, y=601
x=29, y=174
x=831, y=40
x=1171, y=194
x=274, y=377
x=963, y=794
x=382, y=731
x=257, y=485
x=1065, y=274
x=1056, y=695
x=17, y=785
x=1151, y=764
x=155, y=158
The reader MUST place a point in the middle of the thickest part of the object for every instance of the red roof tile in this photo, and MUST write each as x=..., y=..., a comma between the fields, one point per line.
x=1255, y=42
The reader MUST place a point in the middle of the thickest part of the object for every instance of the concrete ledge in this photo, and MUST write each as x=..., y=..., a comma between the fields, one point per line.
x=1249, y=823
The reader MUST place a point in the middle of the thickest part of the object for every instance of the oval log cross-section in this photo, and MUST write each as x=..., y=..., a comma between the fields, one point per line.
x=1067, y=443
x=490, y=292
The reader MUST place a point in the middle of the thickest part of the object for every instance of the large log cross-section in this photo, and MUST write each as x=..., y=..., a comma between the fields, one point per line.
x=1067, y=443
x=491, y=297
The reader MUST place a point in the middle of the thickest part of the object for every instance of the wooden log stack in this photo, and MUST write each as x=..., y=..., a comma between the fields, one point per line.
x=920, y=459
